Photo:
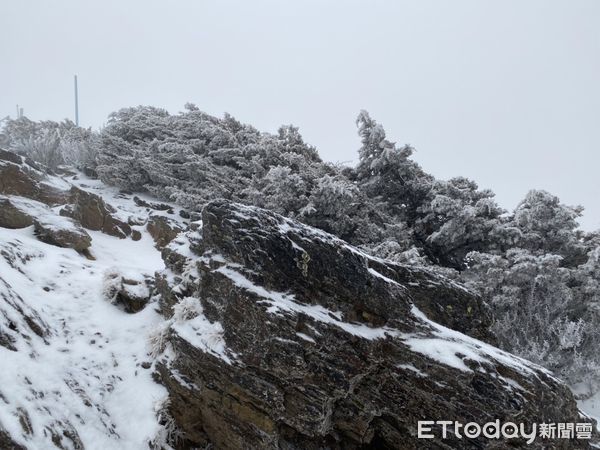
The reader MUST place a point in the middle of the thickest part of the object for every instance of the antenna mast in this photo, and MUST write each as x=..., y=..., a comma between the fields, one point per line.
x=76, y=103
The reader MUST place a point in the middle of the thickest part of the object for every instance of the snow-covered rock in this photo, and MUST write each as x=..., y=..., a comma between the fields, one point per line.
x=283, y=336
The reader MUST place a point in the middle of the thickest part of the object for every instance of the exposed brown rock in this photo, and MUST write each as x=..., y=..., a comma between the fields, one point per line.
x=67, y=235
x=6, y=443
x=93, y=213
x=24, y=180
x=163, y=229
x=13, y=217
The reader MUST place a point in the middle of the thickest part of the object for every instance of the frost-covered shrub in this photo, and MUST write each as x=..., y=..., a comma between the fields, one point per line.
x=112, y=283
x=51, y=143
x=158, y=339
x=538, y=271
x=539, y=313
x=168, y=435
x=186, y=309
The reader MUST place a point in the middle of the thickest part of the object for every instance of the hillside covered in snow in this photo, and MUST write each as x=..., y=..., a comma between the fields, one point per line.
x=127, y=322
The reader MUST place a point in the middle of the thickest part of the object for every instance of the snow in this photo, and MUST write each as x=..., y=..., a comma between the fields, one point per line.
x=198, y=330
x=88, y=374
x=42, y=213
x=452, y=348
x=412, y=369
x=124, y=204
x=281, y=302
x=589, y=405
x=383, y=277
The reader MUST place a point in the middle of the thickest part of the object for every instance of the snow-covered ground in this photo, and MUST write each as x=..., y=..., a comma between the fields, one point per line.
x=87, y=374
x=90, y=377
x=591, y=405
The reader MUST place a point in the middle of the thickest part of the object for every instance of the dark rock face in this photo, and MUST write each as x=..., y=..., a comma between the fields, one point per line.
x=94, y=214
x=70, y=236
x=163, y=230
x=17, y=178
x=10, y=157
x=13, y=217
x=17, y=318
x=287, y=337
x=151, y=205
x=6, y=443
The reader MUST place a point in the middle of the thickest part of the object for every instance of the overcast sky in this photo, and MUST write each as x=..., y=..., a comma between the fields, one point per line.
x=504, y=92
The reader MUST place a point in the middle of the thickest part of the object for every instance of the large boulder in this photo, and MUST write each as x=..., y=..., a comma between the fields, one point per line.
x=12, y=216
x=283, y=336
x=62, y=232
x=93, y=213
x=19, y=177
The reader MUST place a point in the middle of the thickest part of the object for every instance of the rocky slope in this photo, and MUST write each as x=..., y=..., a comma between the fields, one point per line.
x=283, y=336
x=251, y=331
x=73, y=364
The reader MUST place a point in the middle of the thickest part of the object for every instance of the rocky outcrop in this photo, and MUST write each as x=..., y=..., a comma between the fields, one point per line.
x=17, y=319
x=7, y=443
x=282, y=336
x=94, y=214
x=13, y=217
x=152, y=205
x=18, y=177
x=64, y=233
x=10, y=157
x=163, y=229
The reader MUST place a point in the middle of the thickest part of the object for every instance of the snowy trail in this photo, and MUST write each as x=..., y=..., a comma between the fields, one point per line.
x=88, y=376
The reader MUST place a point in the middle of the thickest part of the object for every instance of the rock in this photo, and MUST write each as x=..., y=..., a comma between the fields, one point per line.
x=10, y=157
x=136, y=235
x=6, y=443
x=13, y=217
x=163, y=229
x=90, y=173
x=156, y=206
x=23, y=180
x=17, y=319
x=63, y=233
x=93, y=213
x=131, y=292
x=284, y=336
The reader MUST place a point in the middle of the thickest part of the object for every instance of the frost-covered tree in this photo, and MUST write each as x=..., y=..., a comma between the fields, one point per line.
x=548, y=226
x=460, y=219
x=539, y=311
x=387, y=174
x=51, y=143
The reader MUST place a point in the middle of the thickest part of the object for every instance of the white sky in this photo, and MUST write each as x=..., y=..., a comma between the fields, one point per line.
x=506, y=92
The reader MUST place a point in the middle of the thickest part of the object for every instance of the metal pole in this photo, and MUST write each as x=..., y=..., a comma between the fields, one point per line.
x=76, y=103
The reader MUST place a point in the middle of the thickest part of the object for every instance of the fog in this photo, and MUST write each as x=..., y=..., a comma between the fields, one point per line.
x=504, y=92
